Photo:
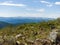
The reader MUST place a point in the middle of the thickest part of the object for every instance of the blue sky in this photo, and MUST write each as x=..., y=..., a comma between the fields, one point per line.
x=30, y=8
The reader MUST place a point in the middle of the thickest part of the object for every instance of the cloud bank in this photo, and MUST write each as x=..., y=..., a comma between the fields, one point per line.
x=47, y=3
x=9, y=3
x=57, y=3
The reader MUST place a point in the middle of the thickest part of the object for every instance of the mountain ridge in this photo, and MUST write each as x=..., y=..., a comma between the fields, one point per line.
x=15, y=20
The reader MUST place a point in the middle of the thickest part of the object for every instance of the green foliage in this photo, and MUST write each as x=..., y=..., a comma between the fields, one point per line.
x=31, y=31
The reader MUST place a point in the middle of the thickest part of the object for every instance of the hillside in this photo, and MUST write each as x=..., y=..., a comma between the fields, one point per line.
x=4, y=24
x=30, y=31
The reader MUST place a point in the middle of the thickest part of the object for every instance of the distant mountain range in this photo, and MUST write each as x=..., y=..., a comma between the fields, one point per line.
x=20, y=20
x=16, y=20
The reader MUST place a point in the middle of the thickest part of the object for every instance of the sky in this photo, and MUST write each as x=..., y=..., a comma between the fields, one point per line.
x=30, y=8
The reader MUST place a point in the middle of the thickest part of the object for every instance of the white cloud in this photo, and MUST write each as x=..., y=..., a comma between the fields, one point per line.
x=50, y=5
x=52, y=15
x=40, y=10
x=47, y=3
x=28, y=14
x=32, y=14
x=9, y=3
x=57, y=3
x=24, y=14
x=30, y=9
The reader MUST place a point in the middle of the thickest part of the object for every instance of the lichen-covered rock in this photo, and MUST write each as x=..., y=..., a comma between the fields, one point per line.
x=1, y=41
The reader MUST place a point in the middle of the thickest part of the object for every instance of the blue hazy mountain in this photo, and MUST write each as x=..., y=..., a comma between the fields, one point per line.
x=4, y=24
x=21, y=20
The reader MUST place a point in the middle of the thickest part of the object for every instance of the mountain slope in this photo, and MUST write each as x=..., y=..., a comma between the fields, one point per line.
x=4, y=24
